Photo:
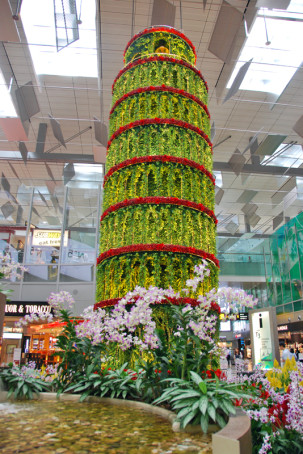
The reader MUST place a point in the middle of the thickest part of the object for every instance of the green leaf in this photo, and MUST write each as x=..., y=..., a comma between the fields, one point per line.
x=220, y=420
x=230, y=407
x=195, y=378
x=10, y=392
x=184, y=403
x=186, y=394
x=183, y=412
x=215, y=402
x=203, y=387
x=188, y=418
x=203, y=404
x=195, y=405
x=84, y=395
x=211, y=412
x=89, y=369
x=93, y=376
x=204, y=423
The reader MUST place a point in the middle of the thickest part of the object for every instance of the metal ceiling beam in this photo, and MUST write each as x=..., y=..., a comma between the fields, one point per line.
x=258, y=169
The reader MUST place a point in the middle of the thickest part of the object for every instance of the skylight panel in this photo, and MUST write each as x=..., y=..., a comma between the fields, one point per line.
x=79, y=59
x=290, y=157
x=7, y=108
x=218, y=177
x=274, y=43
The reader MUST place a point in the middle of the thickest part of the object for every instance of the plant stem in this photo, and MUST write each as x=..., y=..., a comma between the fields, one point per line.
x=184, y=361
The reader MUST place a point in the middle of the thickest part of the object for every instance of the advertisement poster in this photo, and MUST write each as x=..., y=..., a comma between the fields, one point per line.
x=262, y=339
x=17, y=356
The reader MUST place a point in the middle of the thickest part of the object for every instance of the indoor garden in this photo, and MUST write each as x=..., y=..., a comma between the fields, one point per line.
x=152, y=336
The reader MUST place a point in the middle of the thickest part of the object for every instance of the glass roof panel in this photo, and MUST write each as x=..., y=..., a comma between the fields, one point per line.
x=275, y=44
x=7, y=108
x=79, y=59
x=285, y=156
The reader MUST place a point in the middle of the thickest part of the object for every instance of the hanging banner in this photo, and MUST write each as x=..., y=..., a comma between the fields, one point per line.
x=264, y=337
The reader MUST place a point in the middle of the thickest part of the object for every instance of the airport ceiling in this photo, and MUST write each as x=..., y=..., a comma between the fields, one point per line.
x=62, y=98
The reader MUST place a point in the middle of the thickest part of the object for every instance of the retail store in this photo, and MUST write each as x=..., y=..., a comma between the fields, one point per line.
x=32, y=342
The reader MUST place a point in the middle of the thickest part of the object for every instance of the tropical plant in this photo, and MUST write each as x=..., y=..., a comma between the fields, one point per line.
x=199, y=401
x=23, y=382
x=108, y=383
x=191, y=341
x=78, y=356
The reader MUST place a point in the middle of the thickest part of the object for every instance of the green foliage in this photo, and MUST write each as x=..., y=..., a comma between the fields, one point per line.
x=187, y=227
x=110, y=273
x=119, y=383
x=199, y=401
x=149, y=42
x=157, y=73
x=22, y=384
x=168, y=178
x=159, y=104
x=76, y=354
x=180, y=350
x=157, y=139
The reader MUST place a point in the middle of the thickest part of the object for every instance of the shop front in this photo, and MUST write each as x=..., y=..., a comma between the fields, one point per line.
x=33, y=342
x=291, y=334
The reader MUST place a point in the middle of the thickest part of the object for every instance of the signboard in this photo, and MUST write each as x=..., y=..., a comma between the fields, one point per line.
x=264, y=338
x=21, y=308
x=283, y=328
x=242, y=316
x=50, y=238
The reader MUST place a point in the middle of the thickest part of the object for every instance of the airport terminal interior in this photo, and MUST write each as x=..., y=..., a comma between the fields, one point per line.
x=58, y=64
x=147, y=146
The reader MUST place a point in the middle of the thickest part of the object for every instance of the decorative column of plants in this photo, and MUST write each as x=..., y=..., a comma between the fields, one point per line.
x=158, y=220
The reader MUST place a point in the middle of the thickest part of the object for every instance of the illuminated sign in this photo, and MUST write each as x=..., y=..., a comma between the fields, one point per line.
x=48, y=238
x=262, y=339
x=20, y=309
x=225, y=326
x=283, y=328
x=242, y=316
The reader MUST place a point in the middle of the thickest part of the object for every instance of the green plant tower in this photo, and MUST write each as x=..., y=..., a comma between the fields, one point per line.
x=158, y=220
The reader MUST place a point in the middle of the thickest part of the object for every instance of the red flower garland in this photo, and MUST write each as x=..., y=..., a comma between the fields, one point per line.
x=158, y=121
x=160, y=29
x=161, y=158
x=161, y=88
x=159, y=201
x=155, y=248
x=172, y=300
x=142, y=61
